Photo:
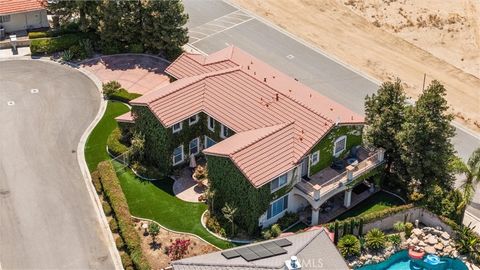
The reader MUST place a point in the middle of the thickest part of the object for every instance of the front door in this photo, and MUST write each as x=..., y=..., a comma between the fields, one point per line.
x=304, y=168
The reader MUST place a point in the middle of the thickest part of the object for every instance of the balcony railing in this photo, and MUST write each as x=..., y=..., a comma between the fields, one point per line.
x=317, y=189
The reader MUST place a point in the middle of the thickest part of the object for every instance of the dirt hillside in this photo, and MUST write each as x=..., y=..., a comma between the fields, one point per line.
x=394, y=38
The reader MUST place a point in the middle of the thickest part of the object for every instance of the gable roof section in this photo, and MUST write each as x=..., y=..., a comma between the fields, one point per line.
x=252, y=99
x=272, y=147
x=310, y=246
x=19, y=6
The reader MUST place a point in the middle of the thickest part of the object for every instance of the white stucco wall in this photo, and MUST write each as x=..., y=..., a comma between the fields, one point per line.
x=26, y=21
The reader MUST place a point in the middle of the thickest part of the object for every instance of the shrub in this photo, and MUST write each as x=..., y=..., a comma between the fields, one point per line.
x=67, y=55
x=55, y=44
x=110, y=88
x=126, y=260
x=119, y=243
x=136, y=48
x=408, y=229
x=123, y=95
x=96, y=182
x=42, y=34
x=115, y=147
x=214, y=226
x=266, y=234
x=178, y=249
x=349, y=245
x=147, y=171
x=375, y=239
x=113, y=225
x=395, y=239
x=87, y=46
x=287, y=220
x=275, y=230
x=114, y=194
x=107, y=209
x=399, y=226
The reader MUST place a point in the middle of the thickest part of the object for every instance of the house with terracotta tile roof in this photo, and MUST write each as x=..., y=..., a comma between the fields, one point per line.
x=272, y=144
x=19, y=15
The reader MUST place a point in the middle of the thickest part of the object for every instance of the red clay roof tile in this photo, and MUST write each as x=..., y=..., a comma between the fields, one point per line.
x=19, y=6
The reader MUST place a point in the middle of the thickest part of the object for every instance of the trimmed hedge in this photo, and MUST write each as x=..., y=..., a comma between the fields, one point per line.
x=114, y=194
x=115, y=147
x=107, y=209
x=56, y=44
x=96, y=182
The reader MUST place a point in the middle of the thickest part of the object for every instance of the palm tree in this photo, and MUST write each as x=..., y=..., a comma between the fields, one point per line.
x=471, y=170
x=229, y=214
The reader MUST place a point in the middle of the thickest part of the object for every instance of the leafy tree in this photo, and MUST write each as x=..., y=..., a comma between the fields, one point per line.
x=88, y=12
x=375, y=239
x=163, y=27
x=229, y=214
x=349, y=245
x=385, y=114
x=153, y=230
x=178, y=249
x=425, y=139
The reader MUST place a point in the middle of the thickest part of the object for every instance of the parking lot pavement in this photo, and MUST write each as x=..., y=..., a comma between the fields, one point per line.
x=47, y=218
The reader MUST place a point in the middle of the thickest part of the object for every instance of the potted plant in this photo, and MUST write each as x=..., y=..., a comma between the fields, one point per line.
x=200, y=175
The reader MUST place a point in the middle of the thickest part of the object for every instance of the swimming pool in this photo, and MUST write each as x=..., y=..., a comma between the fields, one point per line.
x=401, y=261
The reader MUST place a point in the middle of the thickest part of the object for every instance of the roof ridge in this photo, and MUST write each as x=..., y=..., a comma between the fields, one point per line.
x=280, y=127
x=291, y=98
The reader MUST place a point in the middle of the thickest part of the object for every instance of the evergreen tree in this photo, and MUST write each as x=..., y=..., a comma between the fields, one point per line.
x=88, y=12
x=385, y=114
x=163, y=27
x=425, y=139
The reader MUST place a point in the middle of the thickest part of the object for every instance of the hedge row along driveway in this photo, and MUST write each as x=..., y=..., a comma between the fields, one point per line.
x=152, y=200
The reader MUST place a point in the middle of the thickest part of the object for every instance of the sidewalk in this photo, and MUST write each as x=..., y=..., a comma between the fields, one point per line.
x=8, y=53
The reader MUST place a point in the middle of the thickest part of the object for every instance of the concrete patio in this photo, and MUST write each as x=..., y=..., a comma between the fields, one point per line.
x=136, y=73
x=185, y=188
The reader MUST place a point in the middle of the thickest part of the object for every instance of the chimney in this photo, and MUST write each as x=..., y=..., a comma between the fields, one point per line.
x=292, y=264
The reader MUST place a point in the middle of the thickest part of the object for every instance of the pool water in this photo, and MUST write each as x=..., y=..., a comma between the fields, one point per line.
x=401, y=261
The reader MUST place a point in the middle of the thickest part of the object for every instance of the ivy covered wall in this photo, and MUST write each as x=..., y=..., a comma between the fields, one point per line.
x=231, y=187
x=325, y=146
x=160, y=141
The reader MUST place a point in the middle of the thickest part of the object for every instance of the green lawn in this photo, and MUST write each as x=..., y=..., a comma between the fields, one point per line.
x=155, y=200
x=377, y=202
x=95, y=149
x=152, y=200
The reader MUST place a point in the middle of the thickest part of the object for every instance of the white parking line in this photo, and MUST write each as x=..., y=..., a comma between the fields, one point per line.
x=196, y=32
x=235, y=25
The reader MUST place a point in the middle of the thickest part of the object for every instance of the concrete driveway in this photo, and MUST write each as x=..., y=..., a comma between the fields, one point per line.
x=47, y=217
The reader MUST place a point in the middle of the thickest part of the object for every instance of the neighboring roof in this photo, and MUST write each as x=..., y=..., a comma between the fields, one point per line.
x=19, y=6
x=314, y=248
x=125, y=118
x=246, y=94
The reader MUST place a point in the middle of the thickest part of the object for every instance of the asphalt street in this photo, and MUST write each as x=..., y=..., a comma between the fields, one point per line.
x=47, y=218
x=215, y=24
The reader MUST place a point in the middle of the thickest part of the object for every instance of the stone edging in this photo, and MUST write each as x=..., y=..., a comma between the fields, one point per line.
x=81, y=156
x=220, y=237
x=173, y=231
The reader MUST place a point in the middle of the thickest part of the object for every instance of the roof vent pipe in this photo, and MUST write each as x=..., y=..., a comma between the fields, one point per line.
x=292, y=264
x=276, y=96
x=265, y=80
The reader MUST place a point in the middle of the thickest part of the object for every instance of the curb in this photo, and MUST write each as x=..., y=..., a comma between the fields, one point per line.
x=220, y=237
x=81, y=157
x=167, y=229
x=87, y=177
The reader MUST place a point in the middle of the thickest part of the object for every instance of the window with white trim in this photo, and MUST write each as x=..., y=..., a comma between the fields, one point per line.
x=177, y=127
x=4, y=18
x=278, y=182
x=340, y=145
x=314, y=158
x=277, y=207
x=224, y=132
x=211, y=123
x=177, y=156
x=193, y=146
x=209, y=142
x=193, y=120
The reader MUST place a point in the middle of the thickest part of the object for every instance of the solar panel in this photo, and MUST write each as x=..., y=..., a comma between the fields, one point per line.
x=283, y=242
x=247, y=254
x=261, y=251
x=230, y=254
x=276, y=250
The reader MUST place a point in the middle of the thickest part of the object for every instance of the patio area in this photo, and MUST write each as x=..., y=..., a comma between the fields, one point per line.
x=335, y=207
x=186, y=188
